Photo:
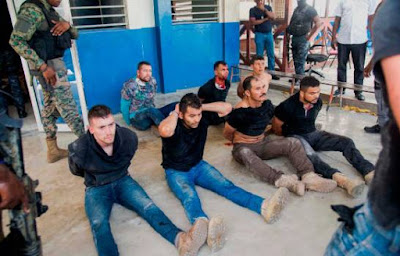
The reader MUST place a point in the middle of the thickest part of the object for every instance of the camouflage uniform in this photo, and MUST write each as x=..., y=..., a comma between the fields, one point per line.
x=58, y=99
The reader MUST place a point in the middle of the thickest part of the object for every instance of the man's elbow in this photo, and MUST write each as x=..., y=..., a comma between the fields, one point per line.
x=226, y=108
x=165, y=132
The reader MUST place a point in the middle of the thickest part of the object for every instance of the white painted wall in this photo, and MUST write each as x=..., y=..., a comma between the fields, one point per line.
x=229, y=10
x=245, y=8
x=140, y=14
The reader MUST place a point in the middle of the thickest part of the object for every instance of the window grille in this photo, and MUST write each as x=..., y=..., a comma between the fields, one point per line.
x=92, y=14
x=194, y=11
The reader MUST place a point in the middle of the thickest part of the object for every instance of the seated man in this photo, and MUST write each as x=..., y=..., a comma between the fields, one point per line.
x=246, y=129
x=216, y=89
x=184, y=135
x=102, y=156
x=296, y=116
x=257, y=63
x=137, y=100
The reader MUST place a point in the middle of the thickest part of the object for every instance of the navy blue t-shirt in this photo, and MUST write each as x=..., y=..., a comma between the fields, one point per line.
x=265, y=27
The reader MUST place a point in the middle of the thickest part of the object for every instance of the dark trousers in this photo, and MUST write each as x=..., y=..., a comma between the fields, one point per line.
x=383, y=109
x=358, y=54
x=325, y=141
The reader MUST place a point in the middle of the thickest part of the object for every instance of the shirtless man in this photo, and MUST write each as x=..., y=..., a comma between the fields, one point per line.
x=258, y=66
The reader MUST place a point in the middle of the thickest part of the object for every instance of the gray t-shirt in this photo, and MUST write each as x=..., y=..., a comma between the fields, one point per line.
x=302, y=20
x=384, y=194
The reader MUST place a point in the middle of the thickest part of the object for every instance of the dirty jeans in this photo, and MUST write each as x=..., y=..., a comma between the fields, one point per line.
x=266, y=41
x=145, y=118
x=367, y=238
x=325, y=141
x=252, y=156
x=128, y=193
x=300, y=47
x=206, y=176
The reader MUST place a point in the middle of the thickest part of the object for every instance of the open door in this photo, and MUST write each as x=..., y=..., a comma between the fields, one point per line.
x=74, y=72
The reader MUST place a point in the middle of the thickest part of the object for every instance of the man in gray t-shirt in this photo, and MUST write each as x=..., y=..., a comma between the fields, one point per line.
x=304, y=23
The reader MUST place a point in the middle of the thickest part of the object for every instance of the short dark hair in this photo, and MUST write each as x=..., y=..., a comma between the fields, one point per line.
x=308, y=81
x=99, y=111
x=143, y=63
x=189, y=100
x=220, y=62
x=247, y=82
x=255, y=58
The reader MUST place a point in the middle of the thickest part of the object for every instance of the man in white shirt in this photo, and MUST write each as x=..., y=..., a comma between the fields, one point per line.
x=353, y=17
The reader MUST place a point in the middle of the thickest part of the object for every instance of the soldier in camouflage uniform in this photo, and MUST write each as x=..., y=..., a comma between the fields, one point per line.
x=41, y=37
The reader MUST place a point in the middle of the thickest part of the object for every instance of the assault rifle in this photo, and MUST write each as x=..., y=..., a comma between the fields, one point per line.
x=22, y=224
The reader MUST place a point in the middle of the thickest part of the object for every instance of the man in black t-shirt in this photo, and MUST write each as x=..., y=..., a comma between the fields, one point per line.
x=246, y=127
x=296, y=117
x=261, y=17
x=102, y=156
x=216, y=89
x=184, y=135
x=374, y=229
x=301, y=28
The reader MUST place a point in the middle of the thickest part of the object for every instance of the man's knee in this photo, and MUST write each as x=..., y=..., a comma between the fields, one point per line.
x=241, y=154
x=98, y=222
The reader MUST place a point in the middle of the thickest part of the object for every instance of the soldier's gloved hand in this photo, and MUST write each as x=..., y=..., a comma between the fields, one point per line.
x=59, y=28
x=49, y=74
x=12, y=191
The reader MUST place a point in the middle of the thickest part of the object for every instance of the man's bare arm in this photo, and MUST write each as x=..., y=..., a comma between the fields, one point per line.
x=168, y=125
x=221, y=108
x=228, y=132
x=277, y=126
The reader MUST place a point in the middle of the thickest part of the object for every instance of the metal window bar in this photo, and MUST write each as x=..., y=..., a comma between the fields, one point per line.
x=106, y=15
x=186, y=11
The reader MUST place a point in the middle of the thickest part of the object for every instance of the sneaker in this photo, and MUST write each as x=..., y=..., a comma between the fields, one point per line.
x=359, y=96
x=271, y=208
x=190, y=242
x=316, y=183
x=216, y=234
x=372, y=129
x=337, y=92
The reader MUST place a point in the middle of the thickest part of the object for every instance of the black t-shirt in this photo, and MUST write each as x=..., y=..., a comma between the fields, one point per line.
x=185, y=148
x=302, y=20
x=384, y=193
x=296, y=119
x=252, y=121
x=265, y=27
x=210, y=93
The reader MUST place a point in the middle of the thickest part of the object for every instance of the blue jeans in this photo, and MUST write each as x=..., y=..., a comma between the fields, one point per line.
x=144, y=118
x=128, y=193
x=206, y=176
x=300, y=47
x=265, y=41
x=367, y=238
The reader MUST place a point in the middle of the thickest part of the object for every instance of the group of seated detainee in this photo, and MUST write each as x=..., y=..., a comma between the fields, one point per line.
x=103, y=155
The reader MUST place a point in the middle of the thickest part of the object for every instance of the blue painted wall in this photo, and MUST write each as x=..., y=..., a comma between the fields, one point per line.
x=108, y=58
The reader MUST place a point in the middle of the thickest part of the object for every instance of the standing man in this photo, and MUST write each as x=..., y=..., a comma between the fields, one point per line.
x=261, y=17
x=353, y=17
x=9, y=63
x=184, y=135
x=102, y=156
x=374, y=228
x=41, y=36
x=296, y=117
x=216, y=89
x=302, y=29
x=137, y=100
x=246, y=129
x=257, y=63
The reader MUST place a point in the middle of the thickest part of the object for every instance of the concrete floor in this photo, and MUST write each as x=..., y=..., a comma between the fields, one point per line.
x=305, y=227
